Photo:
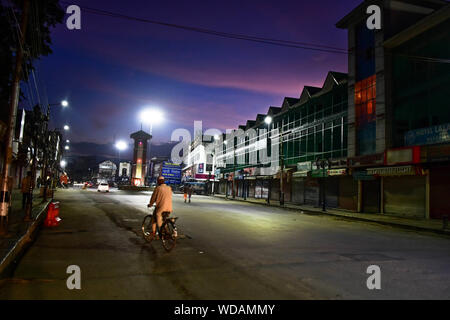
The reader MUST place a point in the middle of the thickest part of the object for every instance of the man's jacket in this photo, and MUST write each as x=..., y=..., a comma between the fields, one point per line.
x=162, y=196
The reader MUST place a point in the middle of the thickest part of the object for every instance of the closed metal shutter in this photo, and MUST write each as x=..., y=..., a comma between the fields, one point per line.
x=439, y=191
x=348, y=193
x=371, y=196
x=251, y=188
x=275, y=190
x=332, y=191
x=405, y=196
x=298, y=191
x=312, y=191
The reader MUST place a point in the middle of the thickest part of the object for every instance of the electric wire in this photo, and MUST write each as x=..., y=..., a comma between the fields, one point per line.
x=270, y=41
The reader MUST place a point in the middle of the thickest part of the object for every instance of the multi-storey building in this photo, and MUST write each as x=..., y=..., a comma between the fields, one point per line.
x=293, y=136
x=398, y=116
x=377, y=141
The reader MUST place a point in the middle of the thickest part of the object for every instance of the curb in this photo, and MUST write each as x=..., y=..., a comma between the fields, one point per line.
x=13, y=256
x=445, y=232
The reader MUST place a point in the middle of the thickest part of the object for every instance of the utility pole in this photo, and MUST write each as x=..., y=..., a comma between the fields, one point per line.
x=234, y=169
x=5, y=196
x=281, y=170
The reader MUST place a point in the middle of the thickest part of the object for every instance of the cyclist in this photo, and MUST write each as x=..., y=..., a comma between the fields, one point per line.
x=162, y=197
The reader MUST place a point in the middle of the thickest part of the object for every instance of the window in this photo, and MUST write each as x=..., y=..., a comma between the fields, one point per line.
x=365, y=108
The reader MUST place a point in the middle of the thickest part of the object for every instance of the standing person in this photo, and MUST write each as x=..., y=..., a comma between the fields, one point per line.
x=185, y=190
x=162, y=197
x=190, y=190
x=27, y=183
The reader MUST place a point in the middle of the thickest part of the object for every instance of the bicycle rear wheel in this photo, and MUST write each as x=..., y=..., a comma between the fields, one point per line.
x=168, y=235
x=147, y=228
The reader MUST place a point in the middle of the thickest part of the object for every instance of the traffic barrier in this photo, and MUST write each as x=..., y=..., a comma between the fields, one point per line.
x=52, y=219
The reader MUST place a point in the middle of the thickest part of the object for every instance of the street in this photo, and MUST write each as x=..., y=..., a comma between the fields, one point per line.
x=227, y=250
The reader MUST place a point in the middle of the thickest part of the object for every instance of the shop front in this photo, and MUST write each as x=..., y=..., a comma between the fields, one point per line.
x=261, y=188
x=404, y=190
x=437, y=158
x=275, y=188
x=311, y=191
x=348, y=193
x=298, y=187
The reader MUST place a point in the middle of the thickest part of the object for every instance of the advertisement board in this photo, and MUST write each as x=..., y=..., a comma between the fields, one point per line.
x=430, y=135
x=171, y=172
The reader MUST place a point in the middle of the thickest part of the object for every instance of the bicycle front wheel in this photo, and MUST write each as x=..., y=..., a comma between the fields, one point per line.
x=169, y=235
x=147, y=228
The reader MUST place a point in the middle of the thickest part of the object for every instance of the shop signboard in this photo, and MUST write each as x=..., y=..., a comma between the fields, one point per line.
x=436, y=153
x=319, y=173
x=302, y=169
x=393, y=171
x=337, y=172
x=367, y=160
x=406, y=155
x=362, y=175
x=430, y=135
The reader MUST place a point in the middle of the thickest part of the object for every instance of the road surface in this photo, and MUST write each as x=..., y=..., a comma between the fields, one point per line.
x=229, y=250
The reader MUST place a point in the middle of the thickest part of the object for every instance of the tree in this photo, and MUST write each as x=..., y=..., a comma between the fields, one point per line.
x=43, y=15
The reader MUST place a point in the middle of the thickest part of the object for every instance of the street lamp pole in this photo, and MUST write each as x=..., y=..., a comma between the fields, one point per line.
x=268, y=121
x=324, y=164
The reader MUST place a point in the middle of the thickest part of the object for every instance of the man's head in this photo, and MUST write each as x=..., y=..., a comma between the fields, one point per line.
x=160, y=180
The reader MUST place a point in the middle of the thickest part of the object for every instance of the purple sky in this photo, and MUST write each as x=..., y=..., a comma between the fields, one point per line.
x=113, y=68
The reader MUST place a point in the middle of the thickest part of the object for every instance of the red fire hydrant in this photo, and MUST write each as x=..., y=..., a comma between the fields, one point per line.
x=52, y=219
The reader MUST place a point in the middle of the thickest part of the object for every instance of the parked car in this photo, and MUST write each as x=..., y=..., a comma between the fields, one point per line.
x=103, y=187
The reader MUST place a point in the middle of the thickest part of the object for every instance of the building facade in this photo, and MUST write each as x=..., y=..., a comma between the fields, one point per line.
x=397, y=108
x=375, y=140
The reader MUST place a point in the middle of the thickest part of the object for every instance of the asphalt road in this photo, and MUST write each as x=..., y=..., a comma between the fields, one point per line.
x=228, y=250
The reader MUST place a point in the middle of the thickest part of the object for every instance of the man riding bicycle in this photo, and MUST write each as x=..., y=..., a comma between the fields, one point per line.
x=162, y=197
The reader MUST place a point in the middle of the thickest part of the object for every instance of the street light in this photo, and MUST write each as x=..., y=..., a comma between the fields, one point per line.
x=268, y=120
x=63, y=163
x=63, y=103
x=151, y=116
x=121, y=145
x=67, y=147
x=66, y=127
x=67, y=141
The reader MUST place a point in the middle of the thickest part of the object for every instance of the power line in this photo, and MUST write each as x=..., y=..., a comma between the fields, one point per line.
x=270, y=41
x=277, y=42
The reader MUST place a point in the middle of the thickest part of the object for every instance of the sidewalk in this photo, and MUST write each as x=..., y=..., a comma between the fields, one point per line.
x=20, y=233
x=435, y=226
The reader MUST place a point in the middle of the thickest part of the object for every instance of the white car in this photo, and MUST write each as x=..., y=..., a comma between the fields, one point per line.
x=103, y=187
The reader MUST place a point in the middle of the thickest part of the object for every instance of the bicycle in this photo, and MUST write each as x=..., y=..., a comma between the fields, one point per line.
x=167, y=233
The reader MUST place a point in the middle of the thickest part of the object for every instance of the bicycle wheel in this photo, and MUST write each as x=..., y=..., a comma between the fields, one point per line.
x=147, y=228
x=168, y=235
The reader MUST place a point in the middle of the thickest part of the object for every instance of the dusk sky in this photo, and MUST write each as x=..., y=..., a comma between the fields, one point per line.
x=113, y=68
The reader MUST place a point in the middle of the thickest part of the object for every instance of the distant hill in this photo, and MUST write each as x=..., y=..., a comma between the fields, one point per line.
x=108, y=151
x=84, y=157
